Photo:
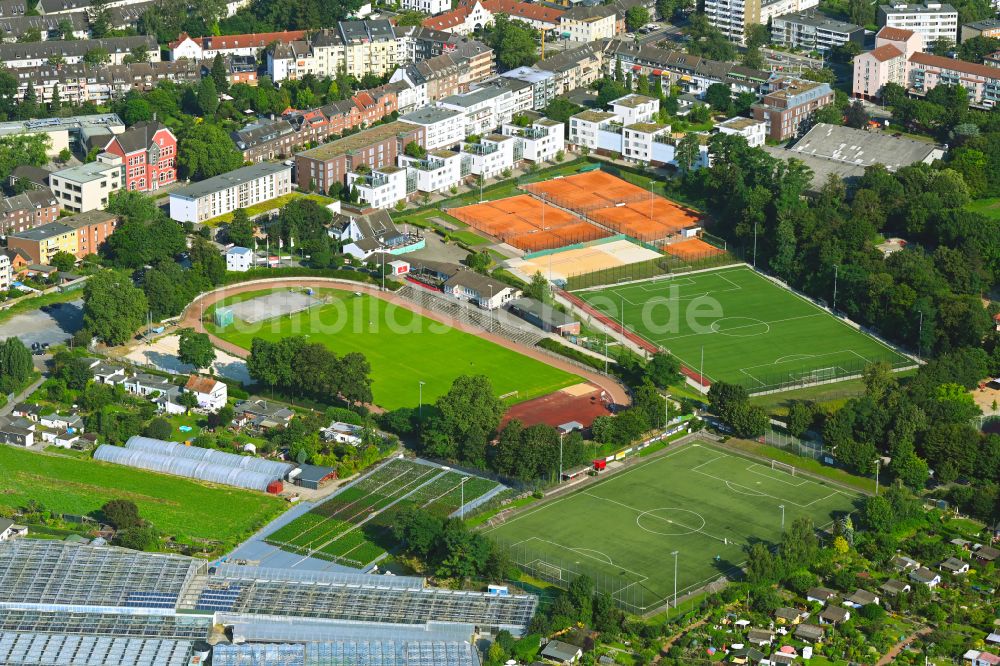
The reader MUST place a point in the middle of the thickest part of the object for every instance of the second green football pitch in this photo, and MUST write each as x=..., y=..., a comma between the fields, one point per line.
x=735, y=325
x=702, y=502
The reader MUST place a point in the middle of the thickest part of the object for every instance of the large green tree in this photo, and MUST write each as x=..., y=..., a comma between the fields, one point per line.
x=15, y=365
x=195, y=348
x=205, y=150
x=113, y=307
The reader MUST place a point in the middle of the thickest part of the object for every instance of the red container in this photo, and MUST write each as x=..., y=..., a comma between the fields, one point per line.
x=275, y=487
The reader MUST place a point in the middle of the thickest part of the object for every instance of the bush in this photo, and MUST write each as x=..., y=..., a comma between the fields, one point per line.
x=158, y=428
x=344, y=415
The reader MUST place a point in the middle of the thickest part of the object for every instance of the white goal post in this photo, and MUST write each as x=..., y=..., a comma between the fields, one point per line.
x=783, y=467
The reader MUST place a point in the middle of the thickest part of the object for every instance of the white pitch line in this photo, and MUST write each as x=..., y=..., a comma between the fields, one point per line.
x=673, y=522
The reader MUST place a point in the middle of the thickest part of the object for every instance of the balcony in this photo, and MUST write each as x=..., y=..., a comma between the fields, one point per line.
x=479, y=148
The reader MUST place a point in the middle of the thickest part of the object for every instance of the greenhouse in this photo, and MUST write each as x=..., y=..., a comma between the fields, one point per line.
x=272, y=468
x=60, y=573
x=355, y=652
x=188, y=467
x=31, y=649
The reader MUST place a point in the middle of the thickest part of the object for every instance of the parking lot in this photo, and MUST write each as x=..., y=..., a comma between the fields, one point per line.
x=54, y=325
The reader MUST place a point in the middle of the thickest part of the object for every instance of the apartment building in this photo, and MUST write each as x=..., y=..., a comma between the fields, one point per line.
x=589, y=23
x=493, y=154
x=148, y=151
x=383, y=187
x=732, y=17
x=427, y=6
x=541, y=137
x=42, y=243
x=354, y=47
x=692, y=74
x=278, y=138
x=635, y=108
x=813, y=31
x=6, y=272
x=92, y=229
x=27, y=210
x=790, y=104
x=71, y=133
x=888, y=62
x=574, y=68
x=99, y=84
x=543, y=84
x=770, y=10
x=242, y=188
x=982, y=82
x=443, y=127
x=490, y=105
x=439, y=171
x=86, y=187
x=48, y=27
x=427, y=81
x=989, y=28
x=35, y=54
x=379, y=146
x=754, y=131
x=932, y=21
x=471, y=15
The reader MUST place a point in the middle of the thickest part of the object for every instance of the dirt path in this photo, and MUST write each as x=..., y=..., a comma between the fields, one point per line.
x=900, y=646
x=191, y=317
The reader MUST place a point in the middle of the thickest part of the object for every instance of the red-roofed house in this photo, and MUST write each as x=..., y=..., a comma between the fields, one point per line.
x=149, y=153
x=206, y=48
x=926, y=71
x=211, y=393
x=887, y=63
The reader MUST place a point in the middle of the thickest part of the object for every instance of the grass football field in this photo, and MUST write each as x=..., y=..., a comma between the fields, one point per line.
x=705, y=503
x=174, y=505
x=404, y=348
x=753, y=332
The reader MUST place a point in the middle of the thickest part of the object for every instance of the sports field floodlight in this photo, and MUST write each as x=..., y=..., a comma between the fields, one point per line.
x=420, y=399
x=675, y=553
x=782, y=507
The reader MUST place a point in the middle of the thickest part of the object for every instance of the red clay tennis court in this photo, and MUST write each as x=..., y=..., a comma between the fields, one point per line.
x=693, y=248
x=617, y=204
x=527, y=223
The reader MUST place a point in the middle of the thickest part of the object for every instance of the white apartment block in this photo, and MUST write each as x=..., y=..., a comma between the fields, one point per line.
x=242, y=188
x=770, y=10
x=6, y=274
x=439, y=171
x=239, y=259
x=427, y=6
x=641, y=142
x=647, y=142
x=541, y=139
x=587, y=24
x=732, y=17
x=488, y=107
x=443, y=127
x=585, y=128
x=635, y=108
x=86, y=187
x=383, y=187
x=492, y=155
x=932, y=21
x=754, y=131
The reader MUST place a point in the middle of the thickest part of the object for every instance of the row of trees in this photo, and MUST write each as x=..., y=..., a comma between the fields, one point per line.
x=296, y=366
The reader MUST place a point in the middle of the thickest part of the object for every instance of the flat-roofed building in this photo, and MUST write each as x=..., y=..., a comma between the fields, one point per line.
x=813, y=31
x=88, y=186
x=443, y=127
x=242, y=188
x=986, y=28
x=70, y=133
x=323, y=166
x=41, y=243
x=933, y=21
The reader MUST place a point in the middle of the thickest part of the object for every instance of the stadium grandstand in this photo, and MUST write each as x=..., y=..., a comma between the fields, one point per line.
x=84, y=604
x=194, y=462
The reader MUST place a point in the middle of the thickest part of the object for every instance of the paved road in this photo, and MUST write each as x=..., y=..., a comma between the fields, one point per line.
x=22, y=396
x=191, y=318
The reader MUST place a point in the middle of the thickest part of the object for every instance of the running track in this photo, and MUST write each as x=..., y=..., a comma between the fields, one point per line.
x=191, y=318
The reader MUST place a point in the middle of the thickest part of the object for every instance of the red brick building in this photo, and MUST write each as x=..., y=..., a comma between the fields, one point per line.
x=27, y=210
x=149, y=153
x=377, y=147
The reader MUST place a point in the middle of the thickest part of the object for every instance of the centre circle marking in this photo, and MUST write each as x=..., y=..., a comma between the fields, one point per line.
x=742, y=327
x=688, y=522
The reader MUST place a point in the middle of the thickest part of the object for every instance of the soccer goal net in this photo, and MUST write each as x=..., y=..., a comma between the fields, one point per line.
x=549, y=571
x=818, y=375
x=782, y=467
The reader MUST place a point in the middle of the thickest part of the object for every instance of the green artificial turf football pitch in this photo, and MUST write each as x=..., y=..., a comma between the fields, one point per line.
x=404, y=348
x=741, y=328
x=702, y=502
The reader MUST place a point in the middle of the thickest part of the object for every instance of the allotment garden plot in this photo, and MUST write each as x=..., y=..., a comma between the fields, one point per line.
x=700, y=501
x=753, y=332
x=351, y=528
